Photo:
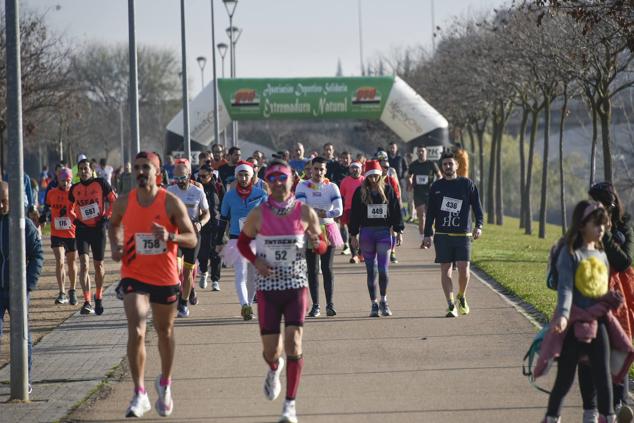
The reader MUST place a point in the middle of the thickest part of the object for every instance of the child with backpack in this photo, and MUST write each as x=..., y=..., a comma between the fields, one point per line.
x=583, y=324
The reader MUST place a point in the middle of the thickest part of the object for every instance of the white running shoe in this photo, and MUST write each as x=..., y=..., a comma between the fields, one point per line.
x=215, y=286
x=202, y=283
x=139, y=405
x=164, y=404
x=272, y=385
x=289, y=415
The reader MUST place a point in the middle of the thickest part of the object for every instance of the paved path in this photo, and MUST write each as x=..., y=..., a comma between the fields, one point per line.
x=416, y=366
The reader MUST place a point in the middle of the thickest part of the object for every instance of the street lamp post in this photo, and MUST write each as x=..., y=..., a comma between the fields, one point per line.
x=186, y=139
x=214, y=75
x=202, y=61
x=222, y=50
x=234, y=34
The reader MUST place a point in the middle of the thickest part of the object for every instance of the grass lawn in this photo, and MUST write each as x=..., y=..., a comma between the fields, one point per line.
x=517, y=261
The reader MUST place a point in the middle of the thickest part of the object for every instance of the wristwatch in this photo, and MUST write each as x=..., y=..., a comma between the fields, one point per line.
x=171, y=237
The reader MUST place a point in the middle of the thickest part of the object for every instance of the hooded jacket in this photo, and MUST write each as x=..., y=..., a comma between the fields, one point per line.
x=34, y=254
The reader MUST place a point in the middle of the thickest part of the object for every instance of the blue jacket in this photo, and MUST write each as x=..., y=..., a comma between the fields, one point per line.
x=34, y=254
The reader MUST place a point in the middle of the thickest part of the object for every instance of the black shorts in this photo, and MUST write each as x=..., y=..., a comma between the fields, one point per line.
x=158, y=294
x=420, y=198
x=91, y=239
x=450, y=249
x=69, y=244
x=190, y=254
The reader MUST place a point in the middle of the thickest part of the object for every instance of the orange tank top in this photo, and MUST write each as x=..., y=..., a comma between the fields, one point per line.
x=145, y=258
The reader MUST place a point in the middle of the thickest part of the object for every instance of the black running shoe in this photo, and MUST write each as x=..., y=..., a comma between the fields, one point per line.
x=374, y=311
x=98, y=307
x=87, y=308
x=72, y=297
x=193, y=297
x=330, y=310
x=315, y=311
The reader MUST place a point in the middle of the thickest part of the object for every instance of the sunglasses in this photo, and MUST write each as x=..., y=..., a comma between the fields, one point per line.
x=181, y=178
x=282, y=177
x=204, y=175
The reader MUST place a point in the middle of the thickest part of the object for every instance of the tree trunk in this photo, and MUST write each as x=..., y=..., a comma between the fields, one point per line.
x=525, y=113
x=480, y=135
x=593, y=148
x=544, y=193
x=472, y=168
x=562, y=187
x=605, y=114
x=528, y=212
x=491, y=181
x=499, y=201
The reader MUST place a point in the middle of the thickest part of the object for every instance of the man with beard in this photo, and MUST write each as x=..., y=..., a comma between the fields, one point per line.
x=451, y=200
x=198, y=210
x=279, y=228
x=147, y=227
x=92, y=200
x=227, y=171
x=236, y=205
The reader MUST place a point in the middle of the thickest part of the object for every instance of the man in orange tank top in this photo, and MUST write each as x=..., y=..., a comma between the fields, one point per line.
x=146, y=229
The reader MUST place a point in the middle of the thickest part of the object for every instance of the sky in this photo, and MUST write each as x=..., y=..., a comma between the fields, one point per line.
x=280, y=38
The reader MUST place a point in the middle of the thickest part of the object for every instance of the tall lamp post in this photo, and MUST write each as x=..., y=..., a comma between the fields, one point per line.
x=202, y=61
x=186, y=138
x=233, y=33
x=214, y=74
x=222, y=50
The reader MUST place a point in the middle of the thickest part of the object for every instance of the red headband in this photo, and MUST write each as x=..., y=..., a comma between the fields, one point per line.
x=151, y=157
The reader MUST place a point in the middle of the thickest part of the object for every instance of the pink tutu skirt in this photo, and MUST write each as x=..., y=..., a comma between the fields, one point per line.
x=333, y=234
x=230, y=253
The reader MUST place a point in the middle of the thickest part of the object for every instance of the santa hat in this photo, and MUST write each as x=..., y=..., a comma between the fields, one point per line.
x=373, y=167
x=244, y=166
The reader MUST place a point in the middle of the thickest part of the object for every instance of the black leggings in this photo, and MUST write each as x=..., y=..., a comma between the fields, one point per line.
x=326, y=271
x=207, y=254
x=589, y=395
x=598, y=351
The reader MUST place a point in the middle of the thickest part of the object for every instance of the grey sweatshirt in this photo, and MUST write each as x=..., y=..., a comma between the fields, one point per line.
x=567, y=265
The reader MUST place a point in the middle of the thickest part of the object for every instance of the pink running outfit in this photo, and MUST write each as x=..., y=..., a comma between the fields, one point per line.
x=281, y=242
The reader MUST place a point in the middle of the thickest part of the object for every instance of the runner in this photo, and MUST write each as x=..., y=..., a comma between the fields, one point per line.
x=451, y=200
x=198, y=210
x=420, y=175
x=147, y=227
x=374, y=215
x=324, y=197
x=207, y=252
x=62, y=217
x=236, y=205
x=347, y=188
x=227, y=171
x=92, y=199
x=391, y=178
x=278, y=227
x=298, y=161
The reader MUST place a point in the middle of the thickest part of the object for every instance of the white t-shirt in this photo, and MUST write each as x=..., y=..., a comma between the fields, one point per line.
x=193, y=197
x=105, y=173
